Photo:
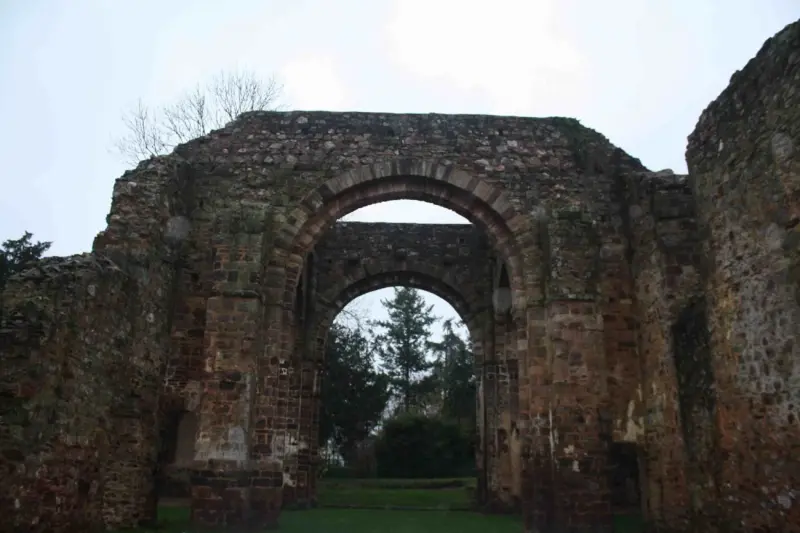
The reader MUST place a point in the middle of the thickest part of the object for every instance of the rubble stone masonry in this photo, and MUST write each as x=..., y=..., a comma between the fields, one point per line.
x=631, y=328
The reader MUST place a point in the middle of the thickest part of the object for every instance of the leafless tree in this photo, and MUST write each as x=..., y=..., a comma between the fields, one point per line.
x=355, y=315
x=155, y=131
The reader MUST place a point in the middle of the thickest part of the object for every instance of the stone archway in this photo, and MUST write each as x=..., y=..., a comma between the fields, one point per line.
x=511, y=236
x=473, y=317
x=452, y=261
x=410, y=179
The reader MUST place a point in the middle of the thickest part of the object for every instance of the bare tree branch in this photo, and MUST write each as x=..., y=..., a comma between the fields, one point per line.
x=356, y=316
x=144, y=137
x=241, y=91
x=151, y=132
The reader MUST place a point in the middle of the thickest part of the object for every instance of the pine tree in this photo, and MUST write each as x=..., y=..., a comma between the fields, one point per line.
x=455, y=375
x=354, y=393
x=403, y=343
x=18, y=254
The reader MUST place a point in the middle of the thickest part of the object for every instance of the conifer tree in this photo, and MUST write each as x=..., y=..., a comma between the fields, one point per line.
x=402, y=345
x=18, y=254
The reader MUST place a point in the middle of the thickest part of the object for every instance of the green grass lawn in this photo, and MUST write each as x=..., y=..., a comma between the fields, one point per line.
x=445, y=494
x=448, y=498
x=456, y=498
x=389, y=483
x=175, y=520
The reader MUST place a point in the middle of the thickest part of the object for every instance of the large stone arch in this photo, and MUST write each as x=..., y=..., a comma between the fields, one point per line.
x=440, y=183
x=489, y=208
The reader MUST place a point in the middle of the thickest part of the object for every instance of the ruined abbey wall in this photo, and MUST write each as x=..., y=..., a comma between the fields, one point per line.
x=666, y=266
x=83, y=341
x=744, y=161
x=627, y=307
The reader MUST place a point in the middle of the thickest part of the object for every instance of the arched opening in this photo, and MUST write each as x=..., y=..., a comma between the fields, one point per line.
x=175, y=457
x=624, y=460
x=325, y=260
x=435, y=424
x=477, y=201
x=185, y=439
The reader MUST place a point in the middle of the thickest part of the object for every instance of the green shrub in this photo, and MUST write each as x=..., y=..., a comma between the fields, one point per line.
x=340, y=472
x=418, y=446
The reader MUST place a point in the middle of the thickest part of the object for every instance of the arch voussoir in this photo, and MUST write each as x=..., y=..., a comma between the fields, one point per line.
x=485, y=192
x=312, y=202
x=502, y=205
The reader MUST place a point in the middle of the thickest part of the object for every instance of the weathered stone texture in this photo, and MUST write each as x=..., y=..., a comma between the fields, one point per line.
x=666, y=266
x=745, y=162
x=612, y=309
x=80, y=408
x=453, y=261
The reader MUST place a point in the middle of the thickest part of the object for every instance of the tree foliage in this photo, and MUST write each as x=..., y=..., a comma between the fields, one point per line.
x=354, y=394
x=403, y=344
x=152, y=131
x=454, y=373
x=18, y=254
x=414, y=445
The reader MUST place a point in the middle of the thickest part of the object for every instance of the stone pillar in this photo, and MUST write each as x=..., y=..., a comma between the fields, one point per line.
x=535, y=389
x=665, y=265
x=481, y=449
x=481, y=327
x=313, y=387
x=578, y=432
x=271, y=440
x=223, y=476
x=576, y=374
x=490, y=403
x=299, y=463
x=501, y=400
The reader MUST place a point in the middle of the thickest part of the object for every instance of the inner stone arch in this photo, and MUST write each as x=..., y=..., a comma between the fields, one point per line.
x=466, y=310
x=452, y=261
x=472, y=314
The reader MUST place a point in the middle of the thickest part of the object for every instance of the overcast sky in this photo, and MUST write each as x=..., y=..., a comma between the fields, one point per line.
x=638, y=71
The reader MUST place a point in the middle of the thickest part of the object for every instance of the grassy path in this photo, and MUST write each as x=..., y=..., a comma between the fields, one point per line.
x=446, y=502
x=175, y=520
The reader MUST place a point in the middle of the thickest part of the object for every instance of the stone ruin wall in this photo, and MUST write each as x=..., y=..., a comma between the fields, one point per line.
x=82, y=341
x=222, y=269
x=563, y=164
x=744, y=158
x=665, y=254
x=666, y=263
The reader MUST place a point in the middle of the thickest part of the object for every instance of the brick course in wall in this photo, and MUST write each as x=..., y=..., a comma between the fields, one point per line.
x=610, y=304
